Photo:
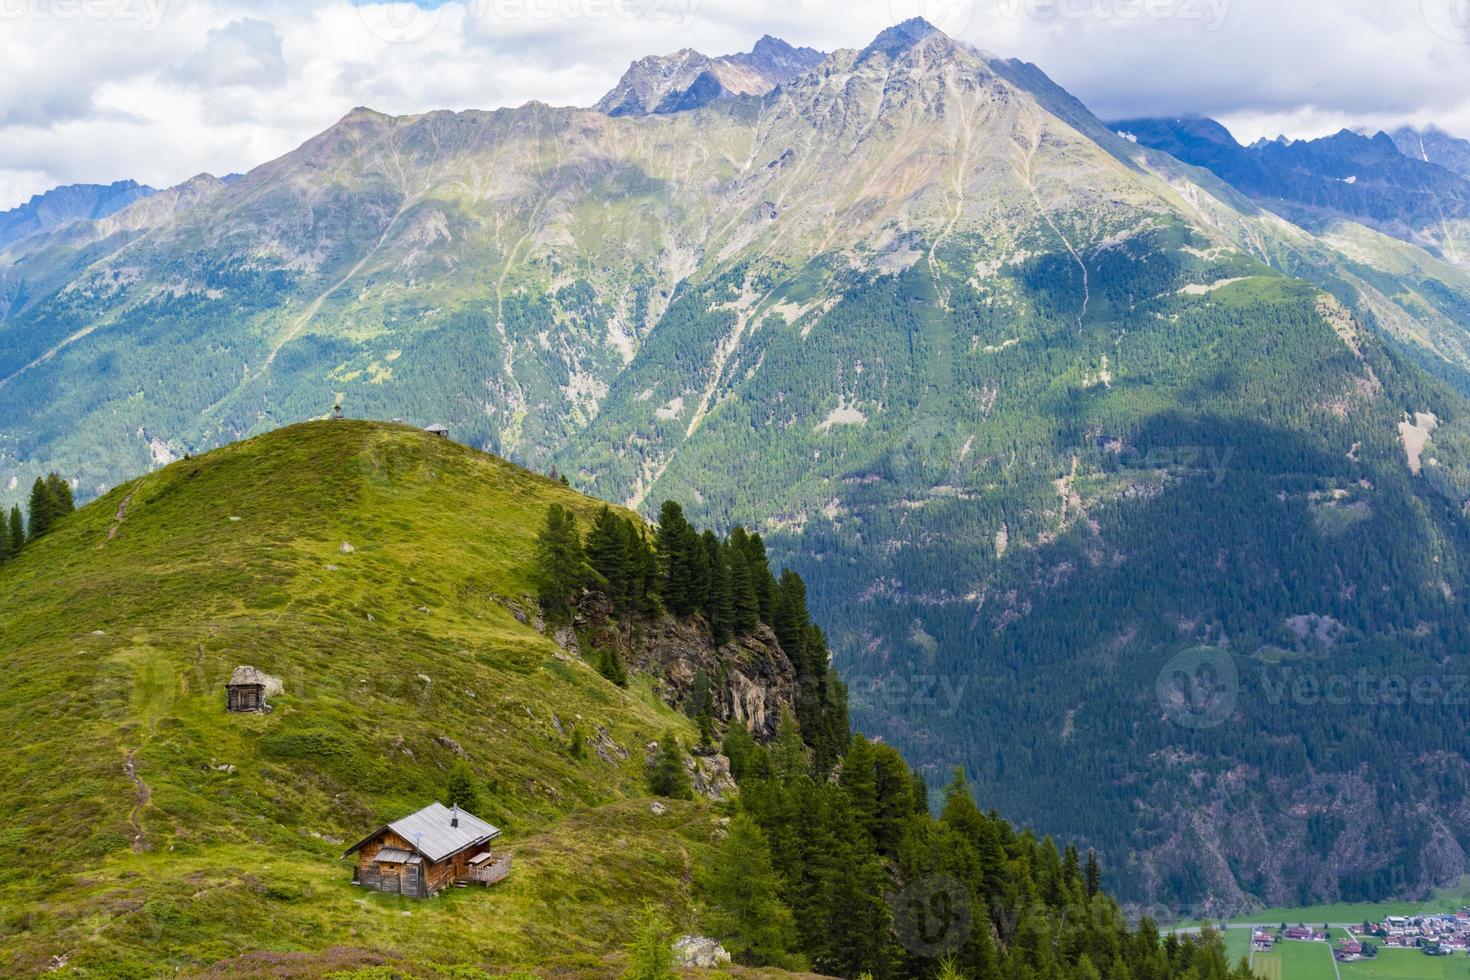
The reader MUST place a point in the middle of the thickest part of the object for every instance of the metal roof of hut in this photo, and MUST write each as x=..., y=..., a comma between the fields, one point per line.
x=437, y=429
x=434, y=833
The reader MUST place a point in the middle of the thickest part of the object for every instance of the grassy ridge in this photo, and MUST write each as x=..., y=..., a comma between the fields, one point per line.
x=148, y=826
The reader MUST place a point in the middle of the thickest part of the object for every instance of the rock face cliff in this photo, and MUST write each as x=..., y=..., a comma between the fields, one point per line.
x=686, y=79
x=751, y=679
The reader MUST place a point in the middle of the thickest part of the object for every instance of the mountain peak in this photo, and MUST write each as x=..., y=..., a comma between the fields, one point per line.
x=900, y=37
x=688, y=79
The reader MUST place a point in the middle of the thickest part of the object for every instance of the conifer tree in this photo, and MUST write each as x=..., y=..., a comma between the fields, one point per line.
x=745, y=609
x=607, y=554
x=60, y=494
x=645, y=559
x=43, y=509
x=561, y=566
x=651, y=948
x=788, y=754
x=790, y=620
x=1093, y=874
x=610, y=665
x=720, y=605
x=739, y=747
x=756, y=559
x=893, y=802
x=461, y=787
x=920, y=794
x=667, y=775
x=674, y=560
x=17, y=531
x=741, y=893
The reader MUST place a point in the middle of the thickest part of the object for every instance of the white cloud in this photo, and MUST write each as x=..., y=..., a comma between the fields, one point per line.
x=157, y=90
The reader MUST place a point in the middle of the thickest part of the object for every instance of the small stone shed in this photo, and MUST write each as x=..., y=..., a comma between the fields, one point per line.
x=248, y=690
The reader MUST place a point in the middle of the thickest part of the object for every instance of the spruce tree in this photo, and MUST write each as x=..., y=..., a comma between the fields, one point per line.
x=43, y=509
x=461, y=787
x=739, y=747
x=667, y=775
x=697, y=561
x=1093, y=874
x=607, y=553
x=561, y=567
x=675, y=574
x=745, y=611
x=16, y=531
x=741, y=892
x=788, y=754
x=720, y=607
x=60, y=494
x=610, y=665
x=651, y=948
x=790, y=620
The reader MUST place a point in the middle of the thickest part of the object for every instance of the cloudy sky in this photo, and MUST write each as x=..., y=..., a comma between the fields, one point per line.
x=158, y=90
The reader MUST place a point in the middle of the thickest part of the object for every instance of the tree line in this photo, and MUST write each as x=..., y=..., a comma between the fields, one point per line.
x=727, y=583
x=51, y=499
x=851, y=875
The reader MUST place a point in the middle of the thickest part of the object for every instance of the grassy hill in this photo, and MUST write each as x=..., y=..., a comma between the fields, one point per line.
x=374, y=568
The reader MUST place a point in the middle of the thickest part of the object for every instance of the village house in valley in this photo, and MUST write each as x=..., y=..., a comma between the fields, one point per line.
x=427, y=851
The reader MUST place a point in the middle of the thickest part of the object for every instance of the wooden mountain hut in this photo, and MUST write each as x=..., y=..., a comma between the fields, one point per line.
x=427, y=851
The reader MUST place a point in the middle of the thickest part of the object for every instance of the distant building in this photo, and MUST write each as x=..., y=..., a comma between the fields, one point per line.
x=247, y=690
x=437, y=430
x=427, y=851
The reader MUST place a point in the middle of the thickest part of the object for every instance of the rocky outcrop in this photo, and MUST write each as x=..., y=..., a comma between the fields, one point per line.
x=686, y=79
x=709, y=774
x=699, y=953
x=751, y=680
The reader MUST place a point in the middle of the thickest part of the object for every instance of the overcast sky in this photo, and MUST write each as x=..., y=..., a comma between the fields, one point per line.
x=158, y=90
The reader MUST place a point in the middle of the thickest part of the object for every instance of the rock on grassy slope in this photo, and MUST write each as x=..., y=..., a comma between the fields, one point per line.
x=148, y=830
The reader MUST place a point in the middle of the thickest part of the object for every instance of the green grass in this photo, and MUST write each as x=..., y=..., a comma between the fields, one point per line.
x=1312, y=961
x=1295, y=961
x=117, y=637
x=1408, y=964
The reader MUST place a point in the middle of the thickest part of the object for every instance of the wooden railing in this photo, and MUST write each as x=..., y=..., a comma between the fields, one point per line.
x=491, y=871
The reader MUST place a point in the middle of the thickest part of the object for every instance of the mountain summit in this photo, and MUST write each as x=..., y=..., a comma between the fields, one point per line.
x=903, y=36
x=686, y=79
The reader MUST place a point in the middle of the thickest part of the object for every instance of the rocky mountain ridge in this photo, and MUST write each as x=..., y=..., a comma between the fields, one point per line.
x=1349, y=175
x=73, y=202
x=686, y=79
